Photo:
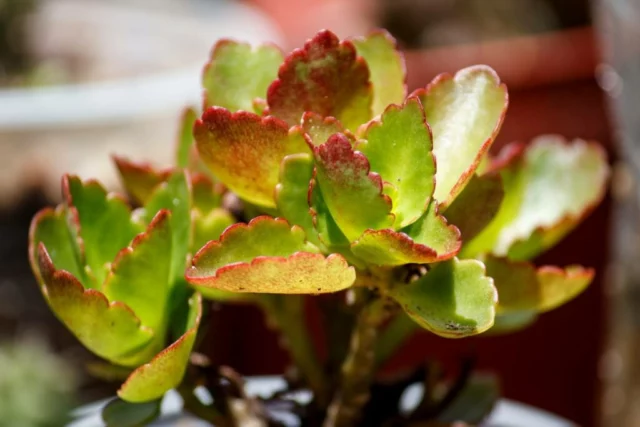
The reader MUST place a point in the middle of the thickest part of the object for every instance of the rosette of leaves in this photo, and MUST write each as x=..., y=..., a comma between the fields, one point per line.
x=361, y=183
x=114, y=277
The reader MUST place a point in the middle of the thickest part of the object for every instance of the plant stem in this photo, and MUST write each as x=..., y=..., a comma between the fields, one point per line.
x=208, y=413
x=359, y=367
x=287, y=312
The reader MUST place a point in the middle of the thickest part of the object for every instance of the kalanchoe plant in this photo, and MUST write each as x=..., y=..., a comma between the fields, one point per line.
x=316, y=173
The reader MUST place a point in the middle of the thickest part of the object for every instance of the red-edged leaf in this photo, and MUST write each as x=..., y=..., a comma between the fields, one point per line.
x=268, y=256
x=319, y=128
x=139, y=179
x=524, y=288
x=325, y=77
x=110, y=330
x=398, y=146
x=165, y=371
x=465, y=112
x=244, y=151
x=428, y=240
x=352, y=193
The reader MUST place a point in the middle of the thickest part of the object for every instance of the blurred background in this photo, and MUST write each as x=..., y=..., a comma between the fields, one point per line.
x=83, y=79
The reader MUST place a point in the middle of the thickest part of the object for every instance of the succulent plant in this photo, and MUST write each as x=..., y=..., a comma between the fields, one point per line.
x=341, y=181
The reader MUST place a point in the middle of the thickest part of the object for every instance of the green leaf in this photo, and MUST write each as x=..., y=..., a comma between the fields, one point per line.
x=549, y=189
x=268, y=256
x=119, y=413
x=522, y=287
x=319, y=128
x=139, y=179
x=387, y=68
x=454, y=299
x=328, y=231
x=244, y=151
x=512, y=322
x=474, y=402
x=206, y=194
x=102, y=222
x=325, y=77
x=186, y=141
x=292, y=193
x=237, y=74
x=352, y=193
x=175, y=196
x=465, y=113
x=428, y=240
x=477, y=205
x=207, y=227
x=140, y=274
x=110, y=330
x=166, y=370
x=49, y=227
x=398, y=147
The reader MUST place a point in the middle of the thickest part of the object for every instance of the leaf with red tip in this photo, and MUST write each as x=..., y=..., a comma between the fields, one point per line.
x=319, y=128
x=465, y=113
x=102, y=223
x=351, y=192
x=268, y=256
x=292, y=193
x=244, y=151
x=477, y=205
x=387, y=68
x=398, y=147
x=238, y=73
x=325, y=77
x=207, y=195
x=166, y=370
x=524, y=288
x=110, y=330
x=186, y=141
x=428, y=240
x=454, y=299
x=549, y=189
x=139, y=179
x=49, y=227
x=141, y=274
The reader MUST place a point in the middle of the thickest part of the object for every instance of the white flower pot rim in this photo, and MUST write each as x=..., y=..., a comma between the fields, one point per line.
x=506, y=413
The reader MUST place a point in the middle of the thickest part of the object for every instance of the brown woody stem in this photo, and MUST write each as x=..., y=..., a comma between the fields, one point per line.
x=359, y=367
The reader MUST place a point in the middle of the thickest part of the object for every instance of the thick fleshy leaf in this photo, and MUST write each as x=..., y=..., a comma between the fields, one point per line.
x=209, y=226
x=325, y=77
x=398, y=147
x=477, y=205
x=207, y=195
x=110, y=330
x=319, y=128
x=454, y=299
x=352, y=193
x=165, y=371
x=549, y=189
x=49, y=227
x=465, y=113
x=139, y=179
x=328, y=231
x=101, y=222
x=474, y=402
x=292, y=193
x=244, y=151
x=238, y=73
x=175, y=196
x=268, y=256
x=140, y=274
x=514, y=321
x=186, y=143
x=120, y=413
x=522, y=287
x=387, y=68
x=428, y=240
